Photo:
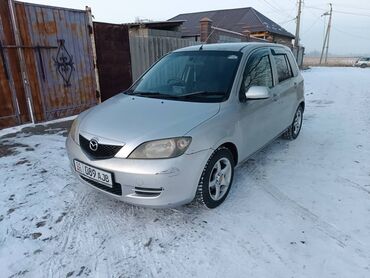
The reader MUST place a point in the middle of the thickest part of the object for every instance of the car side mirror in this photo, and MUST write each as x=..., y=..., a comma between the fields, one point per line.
x=257, y=92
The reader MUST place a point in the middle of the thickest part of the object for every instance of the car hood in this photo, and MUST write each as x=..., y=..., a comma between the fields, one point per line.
x=132, y=120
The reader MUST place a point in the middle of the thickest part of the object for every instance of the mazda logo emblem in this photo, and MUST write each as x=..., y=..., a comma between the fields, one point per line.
x=94, y=145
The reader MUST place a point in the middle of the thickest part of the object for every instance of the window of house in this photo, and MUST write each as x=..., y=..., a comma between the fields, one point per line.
x=283, y=67
x=258, y=72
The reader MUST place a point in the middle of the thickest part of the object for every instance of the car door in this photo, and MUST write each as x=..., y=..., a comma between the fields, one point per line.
x=285, y=90
x=257, y=116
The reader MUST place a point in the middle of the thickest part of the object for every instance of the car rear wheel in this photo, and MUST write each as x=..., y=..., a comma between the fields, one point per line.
x=363, y=66
x=216, y=179
x=294, y=129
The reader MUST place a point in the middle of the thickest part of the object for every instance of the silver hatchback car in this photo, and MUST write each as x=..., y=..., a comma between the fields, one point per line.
x=362, y=62
x=177, y=134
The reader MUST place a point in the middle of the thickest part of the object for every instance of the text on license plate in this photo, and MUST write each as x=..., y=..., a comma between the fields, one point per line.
x=93, y=173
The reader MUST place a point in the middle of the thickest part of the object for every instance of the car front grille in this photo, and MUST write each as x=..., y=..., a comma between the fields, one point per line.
x=116, y=189
x=103, y=151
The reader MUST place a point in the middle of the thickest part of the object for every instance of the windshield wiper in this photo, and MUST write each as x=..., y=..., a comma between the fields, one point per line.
x=178, y=97
x=202, y=93
x=152, y=94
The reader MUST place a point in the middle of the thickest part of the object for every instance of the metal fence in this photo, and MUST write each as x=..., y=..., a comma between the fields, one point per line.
x=113, y=58
x=46, y=63
x=147, y=50
x=331, y=62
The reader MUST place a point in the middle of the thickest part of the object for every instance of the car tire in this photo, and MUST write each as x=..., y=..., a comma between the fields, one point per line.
x=216, y=180
x=363, y=66
x=294, y=129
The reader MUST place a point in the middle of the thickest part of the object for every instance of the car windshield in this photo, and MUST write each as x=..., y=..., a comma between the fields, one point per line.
x=199, y=76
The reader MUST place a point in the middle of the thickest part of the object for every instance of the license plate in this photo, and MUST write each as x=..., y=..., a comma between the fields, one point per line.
x=94, y=174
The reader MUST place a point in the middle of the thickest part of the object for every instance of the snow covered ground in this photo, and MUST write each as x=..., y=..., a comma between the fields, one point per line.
x=297, y=209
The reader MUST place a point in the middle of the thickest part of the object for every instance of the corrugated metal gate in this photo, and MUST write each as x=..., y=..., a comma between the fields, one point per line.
x=113, y=58
x=46, y=63
x=13, y=107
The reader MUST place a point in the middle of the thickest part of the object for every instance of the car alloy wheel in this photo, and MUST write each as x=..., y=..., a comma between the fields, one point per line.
x=294, y=129
x=216, y=179
x=220, y=178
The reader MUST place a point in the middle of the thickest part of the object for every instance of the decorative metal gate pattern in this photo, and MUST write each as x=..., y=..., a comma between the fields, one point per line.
x=46, y=63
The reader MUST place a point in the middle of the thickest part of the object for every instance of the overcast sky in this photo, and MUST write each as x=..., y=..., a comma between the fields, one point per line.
x=351, y=19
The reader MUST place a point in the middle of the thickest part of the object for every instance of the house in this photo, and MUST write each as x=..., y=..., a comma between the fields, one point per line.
x=243, y=24
x=170, y=29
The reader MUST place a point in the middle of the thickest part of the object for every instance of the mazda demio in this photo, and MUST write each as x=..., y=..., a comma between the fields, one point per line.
x=177, y=134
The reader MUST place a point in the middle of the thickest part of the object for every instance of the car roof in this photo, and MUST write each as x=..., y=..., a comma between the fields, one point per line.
x=242, y=46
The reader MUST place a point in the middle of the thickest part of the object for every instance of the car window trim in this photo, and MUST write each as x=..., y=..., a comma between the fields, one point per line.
x=283, y=53
x=268, y=54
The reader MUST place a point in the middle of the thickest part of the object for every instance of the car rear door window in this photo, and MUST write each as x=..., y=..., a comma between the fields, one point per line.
x=283, y=68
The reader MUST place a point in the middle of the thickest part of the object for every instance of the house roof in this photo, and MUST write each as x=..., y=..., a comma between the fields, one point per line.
x=158, y=24
x=237, y=20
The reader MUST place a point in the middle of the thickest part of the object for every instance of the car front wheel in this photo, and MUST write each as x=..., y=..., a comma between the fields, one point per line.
x=216, y=179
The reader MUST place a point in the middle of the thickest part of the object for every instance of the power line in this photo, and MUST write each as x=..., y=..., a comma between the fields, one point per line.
x=312, y=25
x=311, y=11
x=351, y=13
x=339, y=12
x=272, y=6
x=350, y=34
x=352, y=7
x=315, y=8
x=276, y=9
x=287, y=21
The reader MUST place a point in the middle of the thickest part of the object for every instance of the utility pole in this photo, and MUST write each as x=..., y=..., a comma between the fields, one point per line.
x=325, y=46
x=298, y=26
x=329, y=29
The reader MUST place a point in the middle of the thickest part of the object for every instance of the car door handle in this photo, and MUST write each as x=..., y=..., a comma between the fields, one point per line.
x=295, y=85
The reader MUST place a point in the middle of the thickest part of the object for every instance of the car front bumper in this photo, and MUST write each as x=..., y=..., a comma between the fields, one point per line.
x=152, y=183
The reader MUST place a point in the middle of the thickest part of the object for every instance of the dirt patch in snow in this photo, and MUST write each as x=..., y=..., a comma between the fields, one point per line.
x=10, y=148
x=61, y=127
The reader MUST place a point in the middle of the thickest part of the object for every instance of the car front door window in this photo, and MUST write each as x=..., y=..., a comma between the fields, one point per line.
x=258, y=72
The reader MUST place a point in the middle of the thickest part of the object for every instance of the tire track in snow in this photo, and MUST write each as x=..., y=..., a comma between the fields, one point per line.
x=342, y=239
x=255, y=169
x=68, y=234
x=252, y=169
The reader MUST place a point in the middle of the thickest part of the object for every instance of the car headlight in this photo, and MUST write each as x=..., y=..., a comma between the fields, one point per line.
x=164, y=148
x=73, y=132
